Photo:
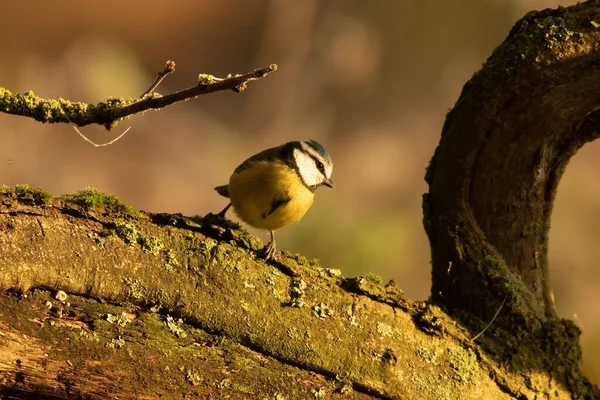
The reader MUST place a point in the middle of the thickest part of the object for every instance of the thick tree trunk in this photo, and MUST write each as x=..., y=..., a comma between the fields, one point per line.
x=504, y=147
x=173, y=307
x=494, y=176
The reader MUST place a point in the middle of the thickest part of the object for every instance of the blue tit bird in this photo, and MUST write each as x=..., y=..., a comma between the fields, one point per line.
x=275, y=188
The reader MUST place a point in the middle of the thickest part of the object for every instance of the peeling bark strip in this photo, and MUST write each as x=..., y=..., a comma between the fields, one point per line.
x=504, y=148
x=247, y=329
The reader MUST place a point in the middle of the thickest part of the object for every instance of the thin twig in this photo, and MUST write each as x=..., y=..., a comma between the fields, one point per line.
x=169, y=69
x=103, y=144
x=113, y=110
x=492, y=321
x=206, y=84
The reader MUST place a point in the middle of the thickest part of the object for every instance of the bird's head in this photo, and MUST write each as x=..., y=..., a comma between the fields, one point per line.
x=313, y=164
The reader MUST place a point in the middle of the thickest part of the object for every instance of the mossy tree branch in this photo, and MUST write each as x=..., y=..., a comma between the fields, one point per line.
x=111, y=111
x=504, y=148
x=248, y=329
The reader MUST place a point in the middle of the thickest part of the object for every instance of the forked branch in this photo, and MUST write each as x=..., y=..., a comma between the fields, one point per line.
x=113, y=110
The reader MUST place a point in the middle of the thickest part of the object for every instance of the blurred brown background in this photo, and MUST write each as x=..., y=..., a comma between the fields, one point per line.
x=372, y=81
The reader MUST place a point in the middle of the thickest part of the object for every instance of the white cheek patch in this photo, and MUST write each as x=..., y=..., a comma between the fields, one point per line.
x=328, y=166
x=306, y=166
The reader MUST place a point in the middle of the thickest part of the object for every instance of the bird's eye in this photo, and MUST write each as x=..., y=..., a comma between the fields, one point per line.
x=320, y=166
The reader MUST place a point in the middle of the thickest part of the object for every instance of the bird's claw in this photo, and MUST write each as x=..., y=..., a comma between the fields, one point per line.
x=268, y=252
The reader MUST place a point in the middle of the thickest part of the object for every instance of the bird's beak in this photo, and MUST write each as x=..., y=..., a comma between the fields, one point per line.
x=328, y=183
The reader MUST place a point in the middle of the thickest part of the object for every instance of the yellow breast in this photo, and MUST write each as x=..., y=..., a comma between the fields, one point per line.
x=269, y=195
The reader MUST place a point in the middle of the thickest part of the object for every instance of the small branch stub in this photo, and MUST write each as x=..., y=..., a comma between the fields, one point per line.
x=169, y=69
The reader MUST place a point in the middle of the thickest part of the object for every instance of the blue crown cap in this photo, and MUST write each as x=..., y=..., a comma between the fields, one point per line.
x=318, y=147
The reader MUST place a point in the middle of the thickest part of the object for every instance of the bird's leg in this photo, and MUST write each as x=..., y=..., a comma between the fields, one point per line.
x=222, y=213
x=269, y=250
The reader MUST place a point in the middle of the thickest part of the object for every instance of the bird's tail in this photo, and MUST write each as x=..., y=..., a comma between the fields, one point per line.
x=223, y=190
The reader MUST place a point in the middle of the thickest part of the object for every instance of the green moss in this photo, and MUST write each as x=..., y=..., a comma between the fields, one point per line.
x=91, y=198
x=61, y=110
x=172, y=261
x=206, y=79
x=152, y=245
x=97, y=238
x=121, y=320
x=233, y=265
x=562, y=337
x=538, y=36
x=116, y=343
x=192, y=376
x=195, y=221
x=464, y=363
x=319, y=393
x=217, y=220
x=136, y=289
x=322, y=311
x=428, y=355
x=331, y=272
x=297, y=293
x=374, y=278
x=86, y=335
x=460, y=250
x=207, y=246
x=492, y=263
x=555, y=34
x=223, y=384
x=496, y=271
x=389, y=294
x=127, y=231
x=107, y=231
x=430, y=319
x=244, y=239
x=25, y=193
x=175, y=326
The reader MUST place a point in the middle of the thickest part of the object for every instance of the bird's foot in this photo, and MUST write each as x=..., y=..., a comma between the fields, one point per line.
x=268, y=252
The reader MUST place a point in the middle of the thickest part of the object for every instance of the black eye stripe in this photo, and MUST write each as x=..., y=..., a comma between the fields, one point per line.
x=318, y=163
x=314, y=149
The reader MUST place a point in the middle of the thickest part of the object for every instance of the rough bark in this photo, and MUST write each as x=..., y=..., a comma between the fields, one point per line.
x=167, y=306
x=504, y=147
x=493, y=180
x=252, y=329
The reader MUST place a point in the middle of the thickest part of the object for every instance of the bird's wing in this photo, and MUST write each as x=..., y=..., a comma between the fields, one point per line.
x=276, y=203
x=265, y=155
